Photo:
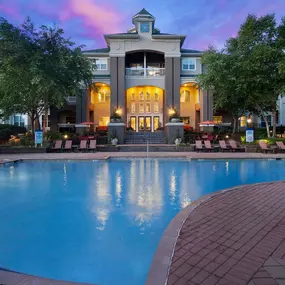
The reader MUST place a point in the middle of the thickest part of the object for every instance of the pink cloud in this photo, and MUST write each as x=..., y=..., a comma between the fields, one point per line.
x=10, y=9
x=97, y=18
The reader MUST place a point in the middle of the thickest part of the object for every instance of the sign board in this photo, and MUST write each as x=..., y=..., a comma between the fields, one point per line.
x=249, y=135
x=38, y=137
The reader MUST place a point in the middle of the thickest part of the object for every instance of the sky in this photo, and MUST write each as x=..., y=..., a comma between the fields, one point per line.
x=205, y=22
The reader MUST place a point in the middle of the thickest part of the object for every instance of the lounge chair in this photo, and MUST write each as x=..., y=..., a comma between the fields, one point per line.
x=92, y=145
x=223, y=146
x=68, y=145
x=234, y=146
x=208, y=145
x=280, y=146
x=83, y=145
x=264, y=147
x=57, y=146
x=198, y=146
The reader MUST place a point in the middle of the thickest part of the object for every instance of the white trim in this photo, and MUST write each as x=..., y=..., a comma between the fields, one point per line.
x=174, y=124
x=115, y=124
x=187, y=58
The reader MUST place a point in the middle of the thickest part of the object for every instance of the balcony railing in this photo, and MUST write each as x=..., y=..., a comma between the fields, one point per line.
x=145, y=72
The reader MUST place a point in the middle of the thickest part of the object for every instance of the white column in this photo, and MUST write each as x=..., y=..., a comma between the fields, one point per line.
x=144, y=64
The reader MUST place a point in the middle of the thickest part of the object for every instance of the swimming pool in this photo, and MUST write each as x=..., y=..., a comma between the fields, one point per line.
x=101, y=221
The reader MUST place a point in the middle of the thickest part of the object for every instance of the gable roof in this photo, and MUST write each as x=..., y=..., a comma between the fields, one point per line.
x=144, y=12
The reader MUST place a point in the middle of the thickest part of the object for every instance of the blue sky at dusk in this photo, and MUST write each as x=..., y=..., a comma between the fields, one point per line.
x=85, y=21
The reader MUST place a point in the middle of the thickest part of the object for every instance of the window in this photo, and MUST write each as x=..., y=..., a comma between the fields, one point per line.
x=243, y=121
x=19, y=121
x=186, y=120
x=103, y=121
x=101, y=63
x=185, y=96
x=141, y=108
x=147, y=96
x=141, y=96
x=133, y=97
x=103, y=97
x=188, y=63
x=218, y=119
x=145, y=27
x=156, y=96
x=155, y=107
x=133, y=108
x=43, y=119
x=147, y=108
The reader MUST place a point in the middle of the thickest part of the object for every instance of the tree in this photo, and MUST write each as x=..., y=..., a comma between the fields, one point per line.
x=259, y=48
x=222, y=70
x=247, y=75
x=39, y=68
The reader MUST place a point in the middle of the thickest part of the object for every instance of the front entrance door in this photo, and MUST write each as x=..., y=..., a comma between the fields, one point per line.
x=144, y=123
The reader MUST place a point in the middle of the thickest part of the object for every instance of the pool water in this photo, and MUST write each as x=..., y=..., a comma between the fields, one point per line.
x=101, y=221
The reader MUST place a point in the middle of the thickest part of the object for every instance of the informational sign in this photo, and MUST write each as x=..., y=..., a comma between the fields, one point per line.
x=249, y=135
x=38, y=137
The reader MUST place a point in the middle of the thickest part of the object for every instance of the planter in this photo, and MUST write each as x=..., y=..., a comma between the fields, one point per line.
x=116, y=120
x=175, y=120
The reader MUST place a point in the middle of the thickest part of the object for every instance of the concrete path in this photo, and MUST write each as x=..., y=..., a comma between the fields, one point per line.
x=236, y=237
x=106, y=155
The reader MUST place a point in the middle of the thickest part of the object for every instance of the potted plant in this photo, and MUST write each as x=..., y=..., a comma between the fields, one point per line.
x=114, y=139
x=116, y=117
x=178, y=141
x=174, y=116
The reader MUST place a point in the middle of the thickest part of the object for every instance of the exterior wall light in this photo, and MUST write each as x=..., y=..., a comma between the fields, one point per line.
x=65, y=136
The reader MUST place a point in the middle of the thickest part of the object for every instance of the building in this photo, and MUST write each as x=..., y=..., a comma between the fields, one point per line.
x=142, y=74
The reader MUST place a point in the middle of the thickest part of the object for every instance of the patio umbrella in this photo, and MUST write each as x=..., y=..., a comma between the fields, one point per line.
x=207, y=124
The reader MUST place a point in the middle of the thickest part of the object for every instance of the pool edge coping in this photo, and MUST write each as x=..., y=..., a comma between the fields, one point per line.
x=159, y=270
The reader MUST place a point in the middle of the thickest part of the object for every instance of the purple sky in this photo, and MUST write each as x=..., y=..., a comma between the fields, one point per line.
x=85, y=21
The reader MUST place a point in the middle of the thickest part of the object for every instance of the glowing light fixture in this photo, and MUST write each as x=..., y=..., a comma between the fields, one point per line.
x=249, y=120
x=118, y=111
x=65, y=136
x=171, y=111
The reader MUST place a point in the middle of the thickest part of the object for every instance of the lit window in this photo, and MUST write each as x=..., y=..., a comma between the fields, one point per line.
x=133, y=108
x=103, y=97
x=100, y=63
x=133, y=97
x=147, y=108
x=218, y=119
x=147, y=96
x=141, y=96
x=141, y=108
x=156, y=96
x=186, y=120
x=243, y=121
x=155, y=107
x=188, y=63
x=103, y=121
x=185, y=96
x=145, y=27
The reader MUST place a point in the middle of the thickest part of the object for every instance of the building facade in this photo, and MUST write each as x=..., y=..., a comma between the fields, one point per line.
x=143, y=74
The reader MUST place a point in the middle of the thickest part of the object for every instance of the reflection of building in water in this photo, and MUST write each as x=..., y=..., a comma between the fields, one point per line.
x=118, y=188
x=173, y=186
x=144, y=191
x=101, y=197
x=184, y=196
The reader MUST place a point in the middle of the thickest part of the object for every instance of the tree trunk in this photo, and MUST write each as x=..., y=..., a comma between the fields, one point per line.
x=45, y=118
x=274, y=123
x=266, y=123
x=37, y=122
x=235, y=124
x=32, y=117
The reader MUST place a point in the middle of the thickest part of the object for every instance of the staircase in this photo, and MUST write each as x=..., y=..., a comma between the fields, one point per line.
x=144, y=137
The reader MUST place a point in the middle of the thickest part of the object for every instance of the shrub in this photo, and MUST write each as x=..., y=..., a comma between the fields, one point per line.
x=54, y=135
x=5, y=134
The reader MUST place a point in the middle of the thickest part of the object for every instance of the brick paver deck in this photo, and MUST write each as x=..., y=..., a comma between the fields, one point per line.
x=236, y=237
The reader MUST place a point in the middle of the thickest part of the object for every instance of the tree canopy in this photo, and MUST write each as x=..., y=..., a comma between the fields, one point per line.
x=39, y=67
x=247, y=75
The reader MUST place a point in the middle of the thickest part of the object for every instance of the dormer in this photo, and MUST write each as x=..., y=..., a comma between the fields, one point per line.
x=144, y=23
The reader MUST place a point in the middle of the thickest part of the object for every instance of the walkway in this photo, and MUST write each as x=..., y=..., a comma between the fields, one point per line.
x=236, y=237
x=106, y=155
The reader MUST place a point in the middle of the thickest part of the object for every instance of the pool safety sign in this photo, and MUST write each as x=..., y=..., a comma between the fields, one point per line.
x=38, y=137
x=249, y=135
